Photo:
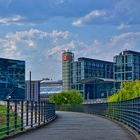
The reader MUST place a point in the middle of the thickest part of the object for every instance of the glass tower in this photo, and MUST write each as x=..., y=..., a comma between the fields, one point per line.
x=98, y=70
x=127, y=67
x=67, y=59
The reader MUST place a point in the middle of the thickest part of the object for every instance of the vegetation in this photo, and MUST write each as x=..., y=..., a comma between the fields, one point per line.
x=67, y=97
x=11, y=121
x=128, y=90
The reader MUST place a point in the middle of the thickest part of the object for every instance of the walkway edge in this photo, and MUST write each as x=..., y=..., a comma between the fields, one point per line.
x=30, y=129
x=125, y=126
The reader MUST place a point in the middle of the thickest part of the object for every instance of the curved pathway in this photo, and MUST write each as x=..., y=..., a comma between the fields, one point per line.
x=78, y=126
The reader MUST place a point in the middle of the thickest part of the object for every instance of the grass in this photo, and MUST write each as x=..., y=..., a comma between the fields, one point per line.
x=3, y=112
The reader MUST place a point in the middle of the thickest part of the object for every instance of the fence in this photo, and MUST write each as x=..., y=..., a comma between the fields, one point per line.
x=18, y=116
x=127, y=112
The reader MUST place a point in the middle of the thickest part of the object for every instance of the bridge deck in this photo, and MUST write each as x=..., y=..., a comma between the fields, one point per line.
x=78, y=126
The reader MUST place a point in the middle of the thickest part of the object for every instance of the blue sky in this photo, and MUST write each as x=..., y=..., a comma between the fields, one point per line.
x=37, y=31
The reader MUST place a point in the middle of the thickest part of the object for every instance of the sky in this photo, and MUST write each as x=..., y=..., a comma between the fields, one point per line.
x=38, y=31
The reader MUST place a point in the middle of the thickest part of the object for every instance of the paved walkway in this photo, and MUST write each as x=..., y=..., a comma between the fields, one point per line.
x=78, y=126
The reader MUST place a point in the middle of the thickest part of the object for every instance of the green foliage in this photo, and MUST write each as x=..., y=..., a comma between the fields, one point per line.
x=3, y=112
x=128, y=90
x=67, y=97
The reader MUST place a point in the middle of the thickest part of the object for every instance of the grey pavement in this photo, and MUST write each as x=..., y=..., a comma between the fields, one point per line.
x=78, y=126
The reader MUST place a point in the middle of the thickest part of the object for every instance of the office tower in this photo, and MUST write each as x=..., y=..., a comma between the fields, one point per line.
x=67, y=59
x=126, y=67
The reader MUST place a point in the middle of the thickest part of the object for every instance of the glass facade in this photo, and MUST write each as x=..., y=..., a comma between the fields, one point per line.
x=50, y=87
x=127, y=67
x=85, y=68
x=98, y=89
x=67, y=59
x=12, y=79
x=32, y=91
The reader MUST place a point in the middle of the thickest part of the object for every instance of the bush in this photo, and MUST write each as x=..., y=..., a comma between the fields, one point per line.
x=67, y=97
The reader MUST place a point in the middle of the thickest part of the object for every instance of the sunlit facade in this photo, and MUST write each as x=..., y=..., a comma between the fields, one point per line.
x=126, y=67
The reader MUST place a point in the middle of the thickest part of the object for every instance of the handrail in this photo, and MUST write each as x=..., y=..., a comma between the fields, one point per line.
x=17, y=116
x=127, y=112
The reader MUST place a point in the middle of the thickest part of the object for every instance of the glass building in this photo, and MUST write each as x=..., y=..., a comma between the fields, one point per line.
x=67, y=59
x=12, y=79
x=49, y=87
x=94, y=78
x=32, y=90
x=126, y=67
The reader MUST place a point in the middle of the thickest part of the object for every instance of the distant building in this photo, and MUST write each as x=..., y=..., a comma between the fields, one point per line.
x=49, y=87
x=33, y=91
x=127, y=67
x=94, y=78
x=67, y=59
x=12, y=79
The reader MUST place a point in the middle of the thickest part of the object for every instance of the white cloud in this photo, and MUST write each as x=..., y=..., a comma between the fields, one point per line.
x=36, y=47
x=125, y=36
x=12, y=19
x=89, y=17
x=122, y=26
x=42, y=50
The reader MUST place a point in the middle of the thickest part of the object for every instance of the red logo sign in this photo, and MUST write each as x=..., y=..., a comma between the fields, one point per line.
x=65, y=58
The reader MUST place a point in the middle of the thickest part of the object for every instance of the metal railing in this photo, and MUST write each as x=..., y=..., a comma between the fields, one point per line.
x=17, y=116
x=127, y=112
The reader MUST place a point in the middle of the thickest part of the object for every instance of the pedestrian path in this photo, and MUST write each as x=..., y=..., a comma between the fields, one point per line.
x=78, y=126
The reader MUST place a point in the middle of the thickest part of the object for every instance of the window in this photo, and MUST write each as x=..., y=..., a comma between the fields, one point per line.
x=128, y=67
x=129, y=59
x=119, y=60
x=128, y=76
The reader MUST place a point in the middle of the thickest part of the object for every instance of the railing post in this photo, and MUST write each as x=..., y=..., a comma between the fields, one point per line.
x=8, y=118
x=31, y=113
x=15, y=116
x=138, y=102
x=22, y=112
x=45, y=111
x=42, y=111
x=39, y=113
x=35, y=112
x=27, y=113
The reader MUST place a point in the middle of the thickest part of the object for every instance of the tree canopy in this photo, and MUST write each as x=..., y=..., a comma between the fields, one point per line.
x=128, y=90
x=67, y=97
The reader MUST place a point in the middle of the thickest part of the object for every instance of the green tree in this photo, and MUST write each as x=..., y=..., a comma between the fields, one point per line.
x=128, y=90
x=67, y=97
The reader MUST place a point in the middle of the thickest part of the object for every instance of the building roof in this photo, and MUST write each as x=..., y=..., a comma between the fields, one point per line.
x=91, y=79
x=129, y=52
x=51, y=81
x=95, y=60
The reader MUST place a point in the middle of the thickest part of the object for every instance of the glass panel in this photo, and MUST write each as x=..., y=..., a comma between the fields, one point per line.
x=128, y=76
x=129, y=59
x=128, y=67
x=12, y=79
